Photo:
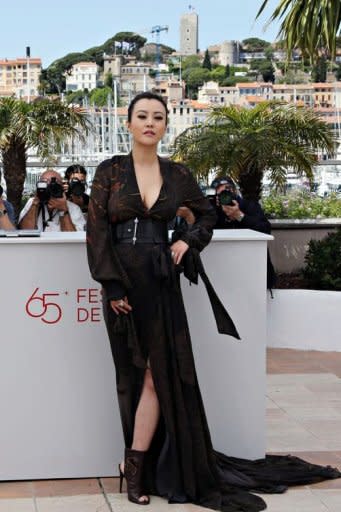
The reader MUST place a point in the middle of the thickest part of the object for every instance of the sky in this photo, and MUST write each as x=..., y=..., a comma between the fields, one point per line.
x=53, y=29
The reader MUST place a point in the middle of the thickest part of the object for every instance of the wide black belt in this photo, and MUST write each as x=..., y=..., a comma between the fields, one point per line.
x=140, y=230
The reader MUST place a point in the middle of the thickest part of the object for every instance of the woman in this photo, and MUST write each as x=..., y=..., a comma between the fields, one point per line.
x=169, y=451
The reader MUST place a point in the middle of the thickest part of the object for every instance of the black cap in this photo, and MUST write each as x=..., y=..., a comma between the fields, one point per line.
x=223, y=180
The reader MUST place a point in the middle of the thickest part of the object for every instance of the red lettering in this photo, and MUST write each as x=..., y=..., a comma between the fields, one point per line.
x=40, y=306
x=93, y=296
x=82, y=315
x=95, y=314
x=81, y=294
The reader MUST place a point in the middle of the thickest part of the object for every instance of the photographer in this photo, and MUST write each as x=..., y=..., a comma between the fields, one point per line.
x=75, y=186
x=7, y=217
x=49, y=210
x=234, y=212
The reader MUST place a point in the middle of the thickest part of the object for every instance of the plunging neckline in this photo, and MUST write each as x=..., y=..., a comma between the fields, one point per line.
x=146, y=209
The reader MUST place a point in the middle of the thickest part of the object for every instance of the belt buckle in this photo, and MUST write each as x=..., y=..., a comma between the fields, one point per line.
x=136, y=221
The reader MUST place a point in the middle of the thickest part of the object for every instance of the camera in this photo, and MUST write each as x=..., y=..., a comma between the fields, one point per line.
x=226, y=197
x=76, y=187
x=46, y=191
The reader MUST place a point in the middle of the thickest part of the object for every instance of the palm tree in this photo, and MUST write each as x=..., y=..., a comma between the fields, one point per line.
x=42, y=126
x=244, y=143
x=311, y=25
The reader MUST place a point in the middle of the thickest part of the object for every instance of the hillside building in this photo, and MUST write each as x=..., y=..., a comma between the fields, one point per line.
x=83, y=75
x=20, y=77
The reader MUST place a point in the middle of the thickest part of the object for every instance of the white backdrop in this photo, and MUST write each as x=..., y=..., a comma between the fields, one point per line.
x=59, y=409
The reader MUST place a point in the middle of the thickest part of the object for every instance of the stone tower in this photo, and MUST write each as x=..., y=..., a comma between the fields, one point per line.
x=189, y=29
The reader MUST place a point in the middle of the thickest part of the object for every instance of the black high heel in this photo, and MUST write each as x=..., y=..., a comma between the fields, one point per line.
x=133, y=472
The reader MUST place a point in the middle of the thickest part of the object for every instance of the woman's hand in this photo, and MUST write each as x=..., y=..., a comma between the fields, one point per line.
x=121, y=306
x=178, y=249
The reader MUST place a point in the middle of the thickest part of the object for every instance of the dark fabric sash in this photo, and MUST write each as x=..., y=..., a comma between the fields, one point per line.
x=193, y=267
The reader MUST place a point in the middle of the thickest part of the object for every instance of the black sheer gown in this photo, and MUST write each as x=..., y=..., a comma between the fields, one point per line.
x=182, y=465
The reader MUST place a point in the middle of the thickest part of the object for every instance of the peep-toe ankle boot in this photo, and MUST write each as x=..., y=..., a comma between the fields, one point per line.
x=133, y=472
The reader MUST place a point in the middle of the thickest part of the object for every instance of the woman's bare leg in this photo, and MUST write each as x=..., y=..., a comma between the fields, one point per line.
x=146, y=417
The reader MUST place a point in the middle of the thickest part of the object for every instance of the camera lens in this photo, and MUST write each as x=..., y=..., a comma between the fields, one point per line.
x=226, y=197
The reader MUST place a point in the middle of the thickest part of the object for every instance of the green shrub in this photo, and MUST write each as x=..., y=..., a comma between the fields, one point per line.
x=301, y=205
x=323, y=262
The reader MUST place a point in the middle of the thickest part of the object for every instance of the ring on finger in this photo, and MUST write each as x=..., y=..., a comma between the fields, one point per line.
x=172, y=254
x=121, y=303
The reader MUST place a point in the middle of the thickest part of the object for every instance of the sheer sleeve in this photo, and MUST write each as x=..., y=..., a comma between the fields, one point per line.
x=189, y=194
x=104, y=263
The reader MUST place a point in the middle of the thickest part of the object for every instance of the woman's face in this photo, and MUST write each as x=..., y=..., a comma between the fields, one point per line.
x=148, y=122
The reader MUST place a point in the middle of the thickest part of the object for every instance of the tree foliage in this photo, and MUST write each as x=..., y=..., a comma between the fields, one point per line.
x=267, y=71
x=244, y=142
x=195, y=78
x=100, y=97
x=218, y=74
x=207, y=61
x=192, y=61
x=108, y=80
x=255, y=44
x=323, y=263
x=319, y=72
x=311, y=25
x=53, y=77
x=41, y=126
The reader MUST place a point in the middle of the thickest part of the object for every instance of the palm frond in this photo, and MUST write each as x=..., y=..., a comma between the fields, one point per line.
x=245, y=142
x=311, y=25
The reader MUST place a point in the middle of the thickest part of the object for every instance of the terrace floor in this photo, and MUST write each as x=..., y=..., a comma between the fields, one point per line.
x=303, y=418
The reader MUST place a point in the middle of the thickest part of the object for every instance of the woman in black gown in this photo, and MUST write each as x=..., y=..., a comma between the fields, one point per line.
x=169, y=451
